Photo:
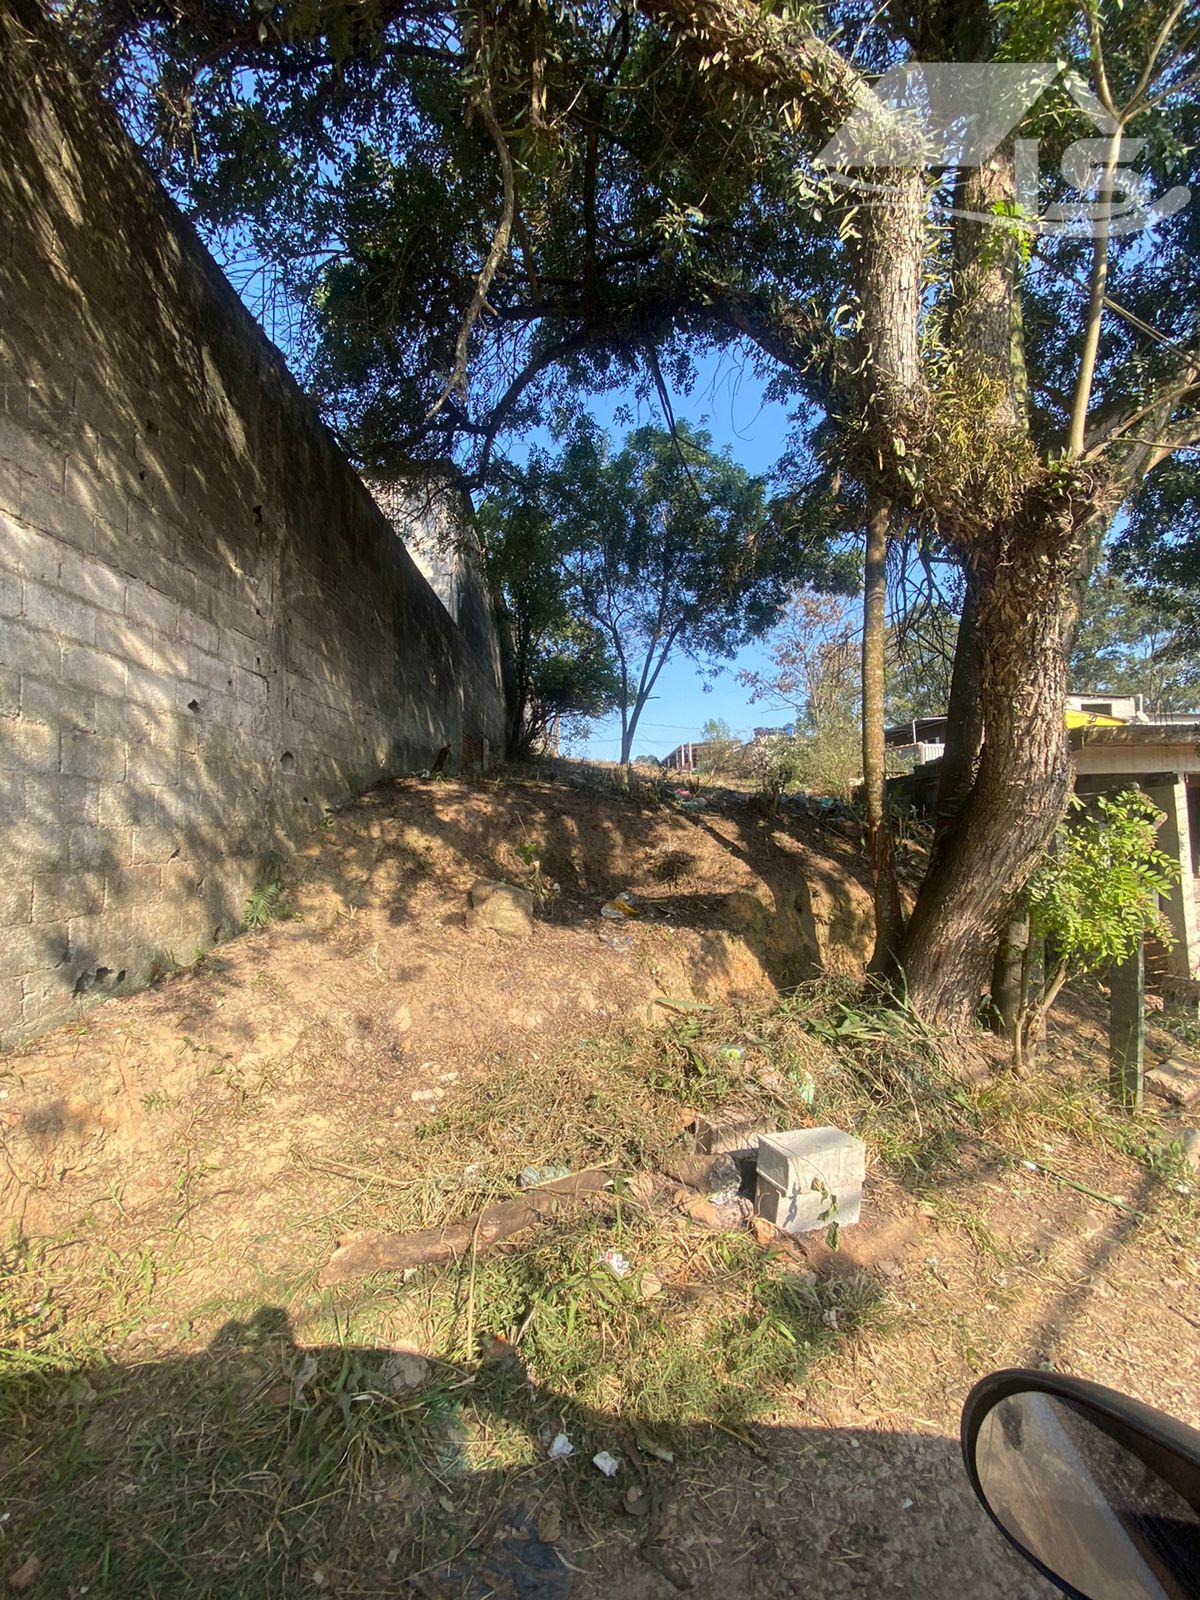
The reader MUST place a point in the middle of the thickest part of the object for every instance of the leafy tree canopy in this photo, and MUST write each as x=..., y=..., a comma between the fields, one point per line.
x=1127, y=644
x=661, y=546
x=472, y=205
x=547, y=187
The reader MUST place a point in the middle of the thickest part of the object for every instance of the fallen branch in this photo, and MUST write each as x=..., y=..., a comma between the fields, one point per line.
x=1083, y=1188
x=396, y=1252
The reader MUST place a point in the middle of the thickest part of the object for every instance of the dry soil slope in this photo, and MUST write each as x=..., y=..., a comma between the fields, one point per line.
x=352, y=1011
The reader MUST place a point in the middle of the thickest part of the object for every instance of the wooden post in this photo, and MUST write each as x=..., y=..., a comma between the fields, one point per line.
x=1006, y=973
x=1127, y=1029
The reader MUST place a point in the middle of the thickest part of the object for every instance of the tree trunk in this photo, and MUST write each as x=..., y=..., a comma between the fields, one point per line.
x=1006, y=973
x=888, y=914
x=512, y=684
x=964, y=722
x=986, y=855
x=1021, y=573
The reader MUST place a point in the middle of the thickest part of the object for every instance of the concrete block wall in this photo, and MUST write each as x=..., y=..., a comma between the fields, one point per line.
x=209, y=633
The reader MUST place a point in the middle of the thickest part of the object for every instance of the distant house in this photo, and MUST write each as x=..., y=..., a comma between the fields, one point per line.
x=1115, y=743
x=924, y=738
x=686, y=757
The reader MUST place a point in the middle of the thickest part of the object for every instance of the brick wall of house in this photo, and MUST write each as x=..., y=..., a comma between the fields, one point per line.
x=209, y=633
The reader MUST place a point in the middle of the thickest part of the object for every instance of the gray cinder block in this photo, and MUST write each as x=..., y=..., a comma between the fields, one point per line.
x=810, y=1178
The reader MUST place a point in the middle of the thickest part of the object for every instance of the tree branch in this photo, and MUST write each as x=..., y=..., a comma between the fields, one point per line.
x=496, y=252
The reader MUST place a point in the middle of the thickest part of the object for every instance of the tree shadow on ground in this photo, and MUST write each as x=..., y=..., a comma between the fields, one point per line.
x=259, y=1468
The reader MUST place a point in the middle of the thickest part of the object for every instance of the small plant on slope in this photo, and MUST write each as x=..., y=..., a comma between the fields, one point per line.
x=262, y=904
x=1096, y=896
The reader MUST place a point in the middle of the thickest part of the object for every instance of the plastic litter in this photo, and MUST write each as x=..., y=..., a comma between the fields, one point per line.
x=560, y=1448
x=651, y=1447
x=303, y=1376
x=620, y=1266
x=608, y=1464
x=530, y=1177
x=620, y=906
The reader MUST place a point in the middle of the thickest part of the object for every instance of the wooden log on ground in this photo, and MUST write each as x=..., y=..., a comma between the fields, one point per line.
x=395, y=1252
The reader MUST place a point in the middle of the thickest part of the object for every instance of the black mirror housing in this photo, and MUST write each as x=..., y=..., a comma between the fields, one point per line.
x=1097, y=1491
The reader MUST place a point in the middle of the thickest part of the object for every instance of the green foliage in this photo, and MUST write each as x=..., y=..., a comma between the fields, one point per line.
x=658, y=547
x=263, y=903
x=1096, y=894
x=777, y=764
x=1128, y=644
x=919, y=655
x=644, y=210
x=560, y=665
x=814, y=674
x=720, y=748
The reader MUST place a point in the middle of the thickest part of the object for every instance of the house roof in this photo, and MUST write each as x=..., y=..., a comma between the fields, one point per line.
x=1083, y=727
x=1151, y=733
x=921, y=730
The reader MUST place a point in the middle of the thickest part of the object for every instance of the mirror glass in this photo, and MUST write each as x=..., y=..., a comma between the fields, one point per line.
x=1114, y=1515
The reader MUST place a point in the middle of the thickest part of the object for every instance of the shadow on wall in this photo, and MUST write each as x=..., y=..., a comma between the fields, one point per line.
x=258, y=1468
x=211, y=632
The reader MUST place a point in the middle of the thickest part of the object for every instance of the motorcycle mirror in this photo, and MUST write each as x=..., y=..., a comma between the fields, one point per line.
x=1099, y=1492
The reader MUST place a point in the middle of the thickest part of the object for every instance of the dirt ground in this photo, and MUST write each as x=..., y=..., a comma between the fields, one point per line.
x=353, y=1012
x=860, y=1488
x=227, y=1120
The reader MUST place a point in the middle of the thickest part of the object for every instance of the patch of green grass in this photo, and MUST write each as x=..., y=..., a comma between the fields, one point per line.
x=256, y=1467
x=703, y=1329
x=240, y=1471
x=1182, y=1025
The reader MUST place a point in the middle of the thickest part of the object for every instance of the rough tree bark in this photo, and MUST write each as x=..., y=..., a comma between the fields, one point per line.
x=985, y=857
x=889, y=259
x=1020, y=537
x=1022, y=566
x=888, y=911
x=964, y=722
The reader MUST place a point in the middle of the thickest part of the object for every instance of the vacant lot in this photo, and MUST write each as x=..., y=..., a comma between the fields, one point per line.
x=187, y=1411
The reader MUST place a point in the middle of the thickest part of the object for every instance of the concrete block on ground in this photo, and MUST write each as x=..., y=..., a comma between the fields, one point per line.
x=810, y=1178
